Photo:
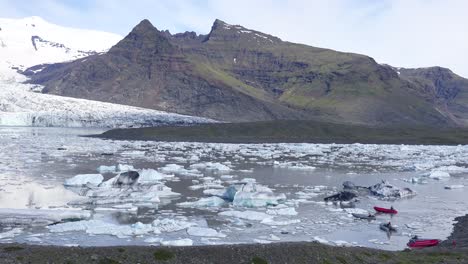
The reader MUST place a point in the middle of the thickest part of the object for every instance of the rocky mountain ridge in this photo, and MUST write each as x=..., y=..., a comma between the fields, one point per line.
x=238, y=74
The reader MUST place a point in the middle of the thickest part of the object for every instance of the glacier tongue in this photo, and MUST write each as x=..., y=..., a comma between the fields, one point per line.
x=20, y=107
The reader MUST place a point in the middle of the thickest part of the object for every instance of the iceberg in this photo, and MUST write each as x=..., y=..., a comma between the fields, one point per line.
x=150, y=176
x=439, y=175
x=212, y=201
x=385, y=190
x=84, y=180
x=253, y=195
x=98, y=227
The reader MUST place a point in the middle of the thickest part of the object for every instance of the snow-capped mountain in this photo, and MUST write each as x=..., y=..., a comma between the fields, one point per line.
x=32, y=41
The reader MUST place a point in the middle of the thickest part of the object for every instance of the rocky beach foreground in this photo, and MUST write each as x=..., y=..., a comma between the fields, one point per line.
x=452, y=250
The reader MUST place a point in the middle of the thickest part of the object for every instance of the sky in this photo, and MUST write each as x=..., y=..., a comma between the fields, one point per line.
x=402, y=33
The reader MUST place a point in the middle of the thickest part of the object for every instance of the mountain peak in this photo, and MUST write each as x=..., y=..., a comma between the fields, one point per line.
x=144, y=26
x=145, y=38
x=222, y=31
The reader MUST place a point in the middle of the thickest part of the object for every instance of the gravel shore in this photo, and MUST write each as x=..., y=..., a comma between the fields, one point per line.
x=300, y=252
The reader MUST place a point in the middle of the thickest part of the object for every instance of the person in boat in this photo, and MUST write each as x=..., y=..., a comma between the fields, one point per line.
x=415, y=237
x=391, y=208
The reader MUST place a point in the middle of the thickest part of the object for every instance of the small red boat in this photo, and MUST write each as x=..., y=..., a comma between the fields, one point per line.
x=422, y=243
x=385, y=210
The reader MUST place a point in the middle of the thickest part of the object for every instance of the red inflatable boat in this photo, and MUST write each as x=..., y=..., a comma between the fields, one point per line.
x=385, y=210
x=422, y=243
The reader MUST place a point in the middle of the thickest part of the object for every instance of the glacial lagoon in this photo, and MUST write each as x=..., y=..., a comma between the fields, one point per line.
x=184, y=194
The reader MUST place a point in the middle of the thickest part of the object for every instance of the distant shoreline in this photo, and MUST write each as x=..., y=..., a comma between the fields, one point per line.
x=293, y=131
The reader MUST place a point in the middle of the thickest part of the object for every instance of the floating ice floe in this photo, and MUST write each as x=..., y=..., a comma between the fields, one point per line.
x=281, y=210
x=457, y=186
x=204, y=232
x=385, y=190
x=99, y=227
x=106, y=169
x=213, y=166
x=11, y=233
x=84, y=179
x=172, y=225
x=247, y=215
x=178, y=242
x=439, y=175
x=292, y=166
x=150, y=176
x=180, y=170
x=251, y=194
x=39, y=217
x=206, y=202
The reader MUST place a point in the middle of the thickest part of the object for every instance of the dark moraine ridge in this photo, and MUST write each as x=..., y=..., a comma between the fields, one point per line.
x=293, y=131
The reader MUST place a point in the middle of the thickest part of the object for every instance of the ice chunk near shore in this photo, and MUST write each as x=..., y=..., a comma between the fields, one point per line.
x=177, y=243
x=247, y=215
x=11, y=233
x=276, y=222
x=451, y=187
x=254, y=195
x=281, y=210
x=171, y=225
x=204, y=232
x=257, y=199
x=84, y=180
x=180, y=170
x=98, y=227
x=385, y=190
x=439, y=175
x=39, y=217
x=205, y=202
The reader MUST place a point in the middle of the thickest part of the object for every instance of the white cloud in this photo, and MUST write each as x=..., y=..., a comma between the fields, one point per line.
x=408, y=33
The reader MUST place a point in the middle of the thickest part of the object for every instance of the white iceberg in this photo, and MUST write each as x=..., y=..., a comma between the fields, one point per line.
x=205, y=202
x=439, y=175
x=84, y=180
